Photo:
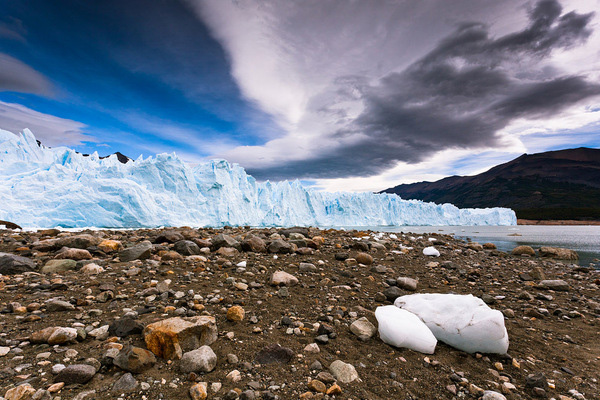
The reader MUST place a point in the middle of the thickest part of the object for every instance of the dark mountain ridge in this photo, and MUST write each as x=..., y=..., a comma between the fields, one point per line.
x=563, y=184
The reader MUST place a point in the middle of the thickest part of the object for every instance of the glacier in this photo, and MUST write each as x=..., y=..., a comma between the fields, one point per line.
x=43, y=187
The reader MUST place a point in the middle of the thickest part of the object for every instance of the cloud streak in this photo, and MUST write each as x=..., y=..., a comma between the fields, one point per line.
x=16, y=76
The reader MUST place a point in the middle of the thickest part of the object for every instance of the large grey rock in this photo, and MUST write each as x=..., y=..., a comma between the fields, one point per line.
x=59, y=305
x=203, y=359
x=82, y=241
x=58, y=266
x=280, y=246
x=140, y=251
x=187, y=248
x=225, y=241
x=11, y=264
x=555, y=284
x=254, y=243
x=491, y=395
x=559, y=253
x=283, y=278
x=169, y=236
x=76, y=373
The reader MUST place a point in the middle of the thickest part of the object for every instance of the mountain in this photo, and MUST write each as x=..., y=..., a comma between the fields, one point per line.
x=50, y=187
x=563, y=184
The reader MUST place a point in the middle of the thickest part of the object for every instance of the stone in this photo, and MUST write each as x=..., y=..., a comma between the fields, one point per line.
x=21, y=392
x=110, y=246
x=57, y=266
x=283, y=278
x=536, y=380
x=235, y=314
x=54, y=335
x=392, y=293
x=274, y=354
x=407, y=283
x=187, y=248
x=254, y=243
x=234, y=376
x=55, y=387
x=489, y=246
x=555, y=284
x=125, y=326
x=170, y=338
x=317, y=386
x=312, y=348
x=169, y=236
x=76, y=373
x=82, y=241
x=475, y=246
x=134, y=359
x=334, y=389
x=307, y=267
x=203, y=359
x=11, y=264
x=523, y=250
x=280, y=246
x=364, y=258
x=141, y=251
x=343, y=372
x=100, y=333
x=73, y=254
x=363, y=328
x=4, y=350
x=491, y=395
x=91, y=269
x=225, y=241
x=59, y=305
x=198, y=391
x=558, y=253
x=126, y=383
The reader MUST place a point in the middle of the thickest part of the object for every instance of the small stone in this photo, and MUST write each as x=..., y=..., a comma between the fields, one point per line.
x=536, y=380
x=363, y=328
x=141, y=251
x=73, y=254
x=91, y=269
x=125, y=326
x=76, y=373
x=58, y=266
x=56, y=387
x=110, y=246
x=343, y=372
x=4, y=350
x=364, y=258
x=21, y=392
x=172, y=337
x=100, y=333
x=198, y=391
x=126, y=383
x=283, y=278
x=312, y=348
x=235, y=314
x=203, y=359
x=555, y=284
x=407, y=283
x=491, y=395
x=317, y=386
x=234, y=376
x=334, y=389
x=134, y=359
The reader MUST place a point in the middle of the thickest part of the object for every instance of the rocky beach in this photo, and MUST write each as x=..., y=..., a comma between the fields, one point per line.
x=241, y=313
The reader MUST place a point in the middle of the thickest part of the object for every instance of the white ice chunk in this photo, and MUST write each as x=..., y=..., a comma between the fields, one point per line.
x=462, y=321
x=431, y=251
x=401, y=328
x=58, y=187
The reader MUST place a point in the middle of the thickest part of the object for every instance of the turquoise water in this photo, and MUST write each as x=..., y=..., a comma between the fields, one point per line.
x=584, y=239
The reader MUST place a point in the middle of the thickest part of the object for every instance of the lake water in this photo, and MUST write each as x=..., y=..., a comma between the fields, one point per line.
x=585, y=239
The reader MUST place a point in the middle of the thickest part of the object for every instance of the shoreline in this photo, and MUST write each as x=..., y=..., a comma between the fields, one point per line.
x=556, y=222
x=337, y=278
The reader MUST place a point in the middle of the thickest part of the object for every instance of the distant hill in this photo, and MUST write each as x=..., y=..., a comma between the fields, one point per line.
x=556, y=185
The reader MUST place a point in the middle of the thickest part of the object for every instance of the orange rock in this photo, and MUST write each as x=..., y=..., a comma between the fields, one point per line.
x=317, y=386
x=235, y=314
x=22, y=392
x=198, y=391
x=56, y=387
x=170, y=338
x=335, y=389
x=109, y=246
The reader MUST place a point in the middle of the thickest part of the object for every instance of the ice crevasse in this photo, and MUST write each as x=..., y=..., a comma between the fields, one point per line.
x=58, y=187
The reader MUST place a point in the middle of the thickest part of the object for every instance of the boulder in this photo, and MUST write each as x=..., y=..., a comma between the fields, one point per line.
x=187, y=248
x=11, y=264
x=523, y=250
x=82, y=241
x=110, y=246
x=225, y=241
x=140, y=251
x=364, y=258
x=134, y=359
x=169, y=237
x=76, y=373
x=254, y=243
x=170, y=338
x=280, y=246
x=9, y=225
x=559, y=253
x=554, y=284
x=58, y=266
x=73, y=254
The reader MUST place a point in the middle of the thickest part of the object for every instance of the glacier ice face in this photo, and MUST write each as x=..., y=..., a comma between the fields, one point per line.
x=462, y=321
x=57, y=187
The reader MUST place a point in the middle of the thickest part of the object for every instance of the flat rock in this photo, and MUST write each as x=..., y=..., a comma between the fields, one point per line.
x=54, y=335
x=76, y=373
x=343, y=372
x=11, y=264
x=82, y=241
x=555, y=284
x=140, y=251
x=58, y=266
x=170, y=338
x=59, y=305
x=203, y=359
x=21, y=392
x=363, y=328
x=274, y=354
x=559, y=253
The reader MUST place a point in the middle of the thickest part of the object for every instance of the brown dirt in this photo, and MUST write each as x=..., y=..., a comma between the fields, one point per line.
x=566, y=350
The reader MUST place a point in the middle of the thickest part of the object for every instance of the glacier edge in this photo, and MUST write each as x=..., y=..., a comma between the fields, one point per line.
x=58, y=187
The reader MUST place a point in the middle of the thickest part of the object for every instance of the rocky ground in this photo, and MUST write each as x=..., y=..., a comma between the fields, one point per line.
x=271, y=314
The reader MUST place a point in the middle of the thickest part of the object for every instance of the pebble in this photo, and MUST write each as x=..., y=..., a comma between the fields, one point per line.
x=202, y=360
x=76, y=373
x=343, y=372
x=126, y=383
x=235, y=314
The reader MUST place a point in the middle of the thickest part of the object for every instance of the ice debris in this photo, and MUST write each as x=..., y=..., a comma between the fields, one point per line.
x=431, y=251
x=58, y=187
x=461, y=321
x=401, y=328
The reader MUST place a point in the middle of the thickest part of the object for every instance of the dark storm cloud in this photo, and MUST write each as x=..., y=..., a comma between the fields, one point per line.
x=459, y=95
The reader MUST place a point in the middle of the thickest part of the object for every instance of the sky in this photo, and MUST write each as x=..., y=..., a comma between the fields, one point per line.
x=342, y=95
